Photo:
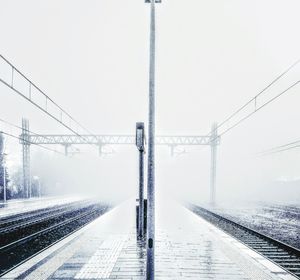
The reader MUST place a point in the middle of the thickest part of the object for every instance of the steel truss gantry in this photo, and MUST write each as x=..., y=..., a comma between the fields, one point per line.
x=116, y=140
x=66, y=140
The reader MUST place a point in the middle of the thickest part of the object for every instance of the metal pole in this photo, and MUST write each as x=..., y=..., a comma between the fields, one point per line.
x=213, y=146
x=141, y=194
x=39, y=188
x=23, y=156
x=66, y=150
x=4, y=183
x=151, y=153
x=4, y=169
x=26, y=157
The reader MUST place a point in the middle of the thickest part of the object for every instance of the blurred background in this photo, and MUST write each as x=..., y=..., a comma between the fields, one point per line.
x=91, y=57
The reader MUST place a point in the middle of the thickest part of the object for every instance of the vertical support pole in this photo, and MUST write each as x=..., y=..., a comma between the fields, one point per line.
x=66, y=150
x=40, y=194
x=100, y=149
x=3, y=154
x=151, y=153
x=141, y=194
x=140, y=140
x=4, y=183
x=26, y=158
x=213, y=146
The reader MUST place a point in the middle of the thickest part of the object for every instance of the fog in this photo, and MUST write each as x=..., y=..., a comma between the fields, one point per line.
x=91, y=57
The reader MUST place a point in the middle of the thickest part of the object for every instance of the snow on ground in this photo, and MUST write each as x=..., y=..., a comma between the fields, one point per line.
x=280, y=221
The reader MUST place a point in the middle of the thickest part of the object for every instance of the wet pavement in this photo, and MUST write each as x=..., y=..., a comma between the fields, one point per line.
x=187, y=247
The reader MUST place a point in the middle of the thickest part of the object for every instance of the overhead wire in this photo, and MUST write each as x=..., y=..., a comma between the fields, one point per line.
x=254, y=99
x=260, y=93
x=31, y=84
x=281, y=148
x=41, y=146
x=259, y=108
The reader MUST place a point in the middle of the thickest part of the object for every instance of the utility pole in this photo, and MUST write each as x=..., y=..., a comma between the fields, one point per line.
x=140, y=140
x=151, y=149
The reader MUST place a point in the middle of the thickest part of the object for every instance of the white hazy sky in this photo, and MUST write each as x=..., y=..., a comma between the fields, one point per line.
x=212, y=56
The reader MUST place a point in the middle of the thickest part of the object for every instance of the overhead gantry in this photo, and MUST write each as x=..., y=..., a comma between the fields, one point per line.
x=67, y=140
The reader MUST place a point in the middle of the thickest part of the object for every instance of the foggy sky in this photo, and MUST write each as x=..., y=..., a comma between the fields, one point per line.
x=212, y=56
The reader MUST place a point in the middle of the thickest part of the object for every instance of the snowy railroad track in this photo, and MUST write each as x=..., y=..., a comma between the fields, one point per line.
x=278, y=252
x=15, y=222
x=30, y=243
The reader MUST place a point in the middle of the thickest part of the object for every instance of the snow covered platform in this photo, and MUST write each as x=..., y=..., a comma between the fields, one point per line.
x=17, y=206
x=187, y=247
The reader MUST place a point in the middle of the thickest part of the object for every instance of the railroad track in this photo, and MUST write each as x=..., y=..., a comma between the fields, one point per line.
x=286, y=256
x=21, y=229
x=19, y=250
x=17, y=221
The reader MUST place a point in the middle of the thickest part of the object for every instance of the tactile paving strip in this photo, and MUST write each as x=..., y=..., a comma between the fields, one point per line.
x=101, y=264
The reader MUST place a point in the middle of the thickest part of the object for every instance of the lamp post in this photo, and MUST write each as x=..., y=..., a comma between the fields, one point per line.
x=151, y=149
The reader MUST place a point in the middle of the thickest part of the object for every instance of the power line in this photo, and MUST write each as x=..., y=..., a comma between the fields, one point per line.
x=43, y=147
x=259, y=94
x=47, y=99
x=259, y=108
x=256, y=110
x=19, y=127
x=286, y=149
x=279, y=151
x=281, y=148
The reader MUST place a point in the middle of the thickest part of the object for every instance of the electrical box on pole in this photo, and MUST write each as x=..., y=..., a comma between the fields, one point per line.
x=149, y=1
x=140, y=136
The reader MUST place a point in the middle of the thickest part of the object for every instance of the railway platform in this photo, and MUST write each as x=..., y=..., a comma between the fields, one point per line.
x=17, y=206
x=187, y=247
